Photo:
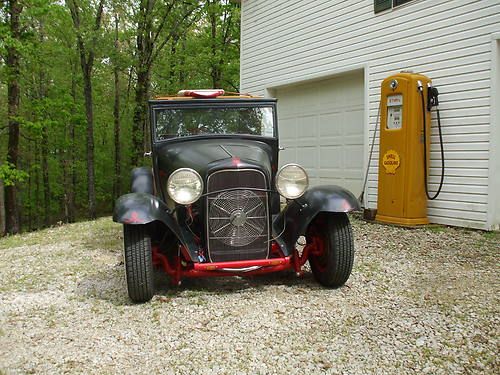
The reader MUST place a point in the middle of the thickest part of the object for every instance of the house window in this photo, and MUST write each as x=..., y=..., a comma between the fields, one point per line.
x=381, y=5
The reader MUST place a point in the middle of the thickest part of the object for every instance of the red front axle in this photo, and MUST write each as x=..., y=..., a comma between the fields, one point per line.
x=177, y=268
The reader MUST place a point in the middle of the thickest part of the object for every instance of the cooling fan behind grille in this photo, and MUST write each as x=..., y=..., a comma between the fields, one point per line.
x=237, y=218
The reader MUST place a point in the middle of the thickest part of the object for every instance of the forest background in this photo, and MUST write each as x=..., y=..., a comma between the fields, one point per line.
x=75, y=78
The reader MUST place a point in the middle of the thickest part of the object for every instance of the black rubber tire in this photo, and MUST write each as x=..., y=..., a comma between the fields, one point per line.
x=138, y=263
x=334, y=267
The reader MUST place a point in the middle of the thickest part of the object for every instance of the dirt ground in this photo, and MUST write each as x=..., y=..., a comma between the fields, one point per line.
x=418, y=301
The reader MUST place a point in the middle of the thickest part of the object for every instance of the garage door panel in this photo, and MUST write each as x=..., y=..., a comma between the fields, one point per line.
x=307, y=157
x=331, y=141
x=290, y=105
x=287, y=156
x=289, y=143
x=331, y=157
x=311, y=146
x=353, y=157
x=325, y=94
x=308, y=142
x=321, y=126
x=332, y=173
x=350, y=138
x=353, y=140
x=307, y=126
x=351, y=174
x=332, y=181
x=352, y=186
x=352, y=122
x=348, y=184
x=330, y=124
x=304, y=133
x=287, y=128
x=288, y=153
x=313, y=174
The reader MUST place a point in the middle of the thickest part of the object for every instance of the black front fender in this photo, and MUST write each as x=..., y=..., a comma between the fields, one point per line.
x=144, y=208
x=293, y=221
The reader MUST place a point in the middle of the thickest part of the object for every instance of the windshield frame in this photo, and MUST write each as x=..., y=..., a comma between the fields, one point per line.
x=211, y=104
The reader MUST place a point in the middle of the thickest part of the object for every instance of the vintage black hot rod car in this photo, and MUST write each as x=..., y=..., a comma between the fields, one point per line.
x=210, y=205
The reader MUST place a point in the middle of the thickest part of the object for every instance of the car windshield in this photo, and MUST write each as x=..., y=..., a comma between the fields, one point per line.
x=180, y=122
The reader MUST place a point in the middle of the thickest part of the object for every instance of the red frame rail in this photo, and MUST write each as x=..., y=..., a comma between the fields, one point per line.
x=177, y=268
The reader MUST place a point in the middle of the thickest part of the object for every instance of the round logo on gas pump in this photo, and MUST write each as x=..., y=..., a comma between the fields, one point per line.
x=391, y=161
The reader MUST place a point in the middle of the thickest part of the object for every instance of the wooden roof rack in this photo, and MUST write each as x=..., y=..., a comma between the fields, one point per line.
x=206, y=94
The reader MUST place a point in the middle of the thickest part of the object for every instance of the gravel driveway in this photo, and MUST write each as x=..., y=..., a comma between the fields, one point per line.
x=418, y=301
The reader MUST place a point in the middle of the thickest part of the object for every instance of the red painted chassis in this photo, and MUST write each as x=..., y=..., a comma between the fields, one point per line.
x=178, y=268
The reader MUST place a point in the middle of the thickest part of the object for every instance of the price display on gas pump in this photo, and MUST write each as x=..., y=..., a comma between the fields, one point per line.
x=394, y=111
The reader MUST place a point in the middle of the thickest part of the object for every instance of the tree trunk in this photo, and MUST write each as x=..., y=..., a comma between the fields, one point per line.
x=66, y=159
x=182, y=63
x=2, y=210
x=87, y=62
x=89, y=114
x=116, y=115
x=66, y=185
x=149, y=45
x=30, y=204
x=42, y=95
x=87, y=92
x=72, y=152
x=215, y=71
x=65, y=167
x=45, y=177
x=140, y=116
x=13, y=92
x=37, y=186
x=173, y=63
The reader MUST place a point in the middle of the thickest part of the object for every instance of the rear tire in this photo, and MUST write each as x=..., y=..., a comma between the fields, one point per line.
x=334, y=266
x=138, y=263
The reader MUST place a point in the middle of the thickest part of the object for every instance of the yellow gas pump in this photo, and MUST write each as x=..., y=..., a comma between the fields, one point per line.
x=405, y=120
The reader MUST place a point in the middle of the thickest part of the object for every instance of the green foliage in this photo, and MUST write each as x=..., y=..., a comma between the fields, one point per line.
x=10, y=175
x=52, y=113
x=190, y=60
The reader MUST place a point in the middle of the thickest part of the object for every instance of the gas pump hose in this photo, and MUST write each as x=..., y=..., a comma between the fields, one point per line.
x=362, y=195
x=425, y=148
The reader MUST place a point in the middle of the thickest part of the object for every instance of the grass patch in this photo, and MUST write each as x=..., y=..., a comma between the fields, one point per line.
x=30, y=239
x=369, y=269
x=437, y=228
x=97, y=232
x=493, y=236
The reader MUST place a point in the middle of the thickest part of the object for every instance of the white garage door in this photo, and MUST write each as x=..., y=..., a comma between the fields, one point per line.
x=321, y=128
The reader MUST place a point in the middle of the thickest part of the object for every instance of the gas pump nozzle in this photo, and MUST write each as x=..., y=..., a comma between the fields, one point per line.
x=432, y=97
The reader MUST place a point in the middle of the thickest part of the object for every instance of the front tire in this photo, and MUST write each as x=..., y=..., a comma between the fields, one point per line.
x=138, y=263
x=332, y=266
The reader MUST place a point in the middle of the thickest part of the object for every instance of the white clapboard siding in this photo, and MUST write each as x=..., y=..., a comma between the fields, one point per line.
x=285, y=42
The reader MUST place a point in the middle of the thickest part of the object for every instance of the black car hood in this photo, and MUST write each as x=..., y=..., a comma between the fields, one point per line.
x=207, y=155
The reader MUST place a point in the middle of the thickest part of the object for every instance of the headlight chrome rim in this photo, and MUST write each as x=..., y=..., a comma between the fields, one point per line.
x=195, y=197
x=284, y=193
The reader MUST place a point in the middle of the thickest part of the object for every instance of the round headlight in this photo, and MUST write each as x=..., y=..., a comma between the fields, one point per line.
x=292, y=181
x=185, y=186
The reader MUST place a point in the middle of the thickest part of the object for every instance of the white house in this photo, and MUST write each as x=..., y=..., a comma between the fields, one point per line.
x=325, y=59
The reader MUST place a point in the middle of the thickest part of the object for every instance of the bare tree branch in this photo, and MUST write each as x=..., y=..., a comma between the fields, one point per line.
x=173, y=31
x=163, y=22
x=98, y=19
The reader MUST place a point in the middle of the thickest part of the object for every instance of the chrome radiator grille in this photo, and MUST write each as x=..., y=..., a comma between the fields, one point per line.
x=237, y=220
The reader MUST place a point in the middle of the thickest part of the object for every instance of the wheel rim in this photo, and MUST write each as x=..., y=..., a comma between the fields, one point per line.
x=319, y=256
